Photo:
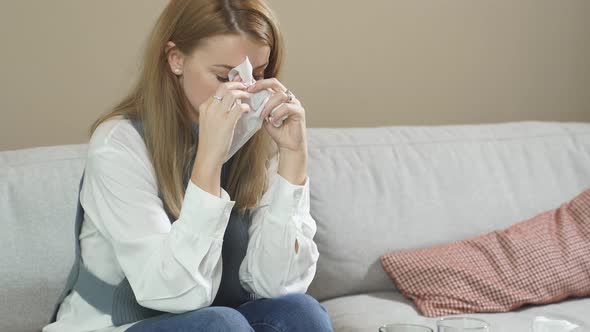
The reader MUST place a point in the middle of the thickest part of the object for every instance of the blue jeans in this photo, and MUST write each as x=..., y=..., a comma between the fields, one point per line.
x=291, y=312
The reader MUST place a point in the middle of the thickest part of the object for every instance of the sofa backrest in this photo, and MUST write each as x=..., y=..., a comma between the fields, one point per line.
x=38, y=191
x=375, y=190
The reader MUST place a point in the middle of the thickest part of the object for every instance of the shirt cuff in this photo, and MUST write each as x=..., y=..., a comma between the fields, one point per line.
x=204, y=213
x=289, y=199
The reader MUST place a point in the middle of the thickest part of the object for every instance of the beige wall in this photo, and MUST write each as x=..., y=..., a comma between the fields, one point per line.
x=352, y=63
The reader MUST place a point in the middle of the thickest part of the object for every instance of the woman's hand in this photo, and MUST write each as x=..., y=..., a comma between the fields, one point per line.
x=217, y=120
x=290, y=136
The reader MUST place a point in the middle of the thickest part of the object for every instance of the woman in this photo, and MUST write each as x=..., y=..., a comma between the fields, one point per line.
x=163, y=245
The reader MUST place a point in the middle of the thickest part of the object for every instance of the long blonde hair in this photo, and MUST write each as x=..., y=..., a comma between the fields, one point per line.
x=158, y=100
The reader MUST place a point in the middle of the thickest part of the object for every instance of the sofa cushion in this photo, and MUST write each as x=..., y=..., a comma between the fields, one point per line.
x=38, y=187
x=541, y=260
x=366, y=312
x=375, y=190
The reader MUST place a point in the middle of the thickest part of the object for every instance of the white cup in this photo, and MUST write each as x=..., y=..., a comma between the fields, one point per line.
x=461, y=324
x=404, y=328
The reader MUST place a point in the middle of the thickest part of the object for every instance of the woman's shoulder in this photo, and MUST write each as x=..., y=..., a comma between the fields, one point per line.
x=116, y=133
x=116, y=143
x=116, y=151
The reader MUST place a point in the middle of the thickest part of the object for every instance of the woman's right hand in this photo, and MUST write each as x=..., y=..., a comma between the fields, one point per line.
x=217, y=121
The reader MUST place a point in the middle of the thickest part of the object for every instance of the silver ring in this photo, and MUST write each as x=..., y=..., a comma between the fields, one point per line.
x=217, y=98
x=289, y=95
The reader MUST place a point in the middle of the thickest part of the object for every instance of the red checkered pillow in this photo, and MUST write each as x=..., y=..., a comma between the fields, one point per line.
x=541, y=260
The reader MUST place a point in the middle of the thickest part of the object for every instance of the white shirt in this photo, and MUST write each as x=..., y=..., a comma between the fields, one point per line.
x=177, y=267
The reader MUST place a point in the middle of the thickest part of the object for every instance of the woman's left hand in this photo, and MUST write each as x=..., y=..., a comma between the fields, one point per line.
x=291, y=133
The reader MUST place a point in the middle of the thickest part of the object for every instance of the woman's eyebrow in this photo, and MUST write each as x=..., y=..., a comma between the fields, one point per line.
x=230, y=67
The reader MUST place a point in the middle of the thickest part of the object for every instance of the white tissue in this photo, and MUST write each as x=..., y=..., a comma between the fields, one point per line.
x=249, y=123
x=544, y=324
x=259, y=99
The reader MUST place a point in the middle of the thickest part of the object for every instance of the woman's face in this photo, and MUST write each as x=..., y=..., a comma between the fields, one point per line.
x=209, y=64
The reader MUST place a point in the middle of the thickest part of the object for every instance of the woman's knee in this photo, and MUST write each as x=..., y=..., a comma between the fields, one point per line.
x=305, y=310
x=205, y=319
x=298, y=300
x=226, y=319
x=219, y=319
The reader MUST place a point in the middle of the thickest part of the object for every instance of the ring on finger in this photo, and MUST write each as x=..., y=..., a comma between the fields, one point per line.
x=289, y=95
x=217, y=98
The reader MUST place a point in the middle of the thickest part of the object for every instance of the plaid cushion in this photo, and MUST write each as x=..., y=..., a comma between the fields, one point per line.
x=541, y=260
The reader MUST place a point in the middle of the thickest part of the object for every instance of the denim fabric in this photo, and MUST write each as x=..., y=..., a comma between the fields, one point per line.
x=291, y=312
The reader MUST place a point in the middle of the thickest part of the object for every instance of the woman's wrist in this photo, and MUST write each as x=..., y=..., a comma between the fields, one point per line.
x=293, y=165
x=206, y=174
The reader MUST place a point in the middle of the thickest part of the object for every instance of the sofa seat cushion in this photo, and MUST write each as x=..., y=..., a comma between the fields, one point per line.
x=366, y=312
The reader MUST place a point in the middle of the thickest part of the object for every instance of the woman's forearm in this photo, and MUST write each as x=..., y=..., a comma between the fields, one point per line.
x=206, y=174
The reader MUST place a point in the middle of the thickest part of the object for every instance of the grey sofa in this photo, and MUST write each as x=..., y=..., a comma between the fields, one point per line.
x=373, y=190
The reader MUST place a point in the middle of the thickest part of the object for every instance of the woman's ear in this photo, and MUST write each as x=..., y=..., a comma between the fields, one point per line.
x=175, y=58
